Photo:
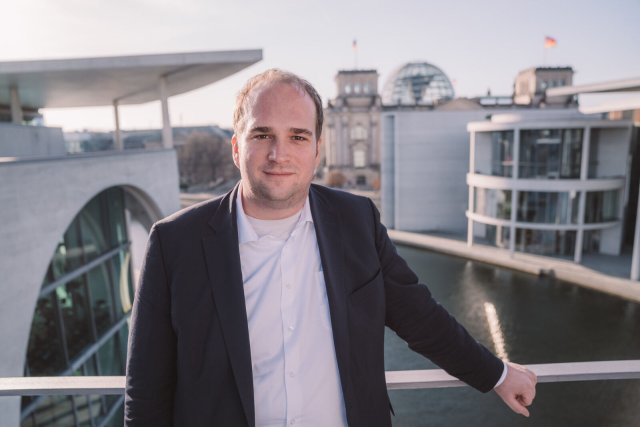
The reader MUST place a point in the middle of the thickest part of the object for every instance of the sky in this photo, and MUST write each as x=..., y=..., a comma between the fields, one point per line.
x=479, y=45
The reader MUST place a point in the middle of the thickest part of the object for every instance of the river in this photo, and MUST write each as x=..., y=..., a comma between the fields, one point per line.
x=542, y=320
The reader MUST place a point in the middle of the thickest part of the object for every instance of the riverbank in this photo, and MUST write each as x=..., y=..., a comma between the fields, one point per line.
x=532, y=264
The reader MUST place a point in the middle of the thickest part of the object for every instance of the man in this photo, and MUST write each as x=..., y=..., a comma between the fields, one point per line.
x=267, y=306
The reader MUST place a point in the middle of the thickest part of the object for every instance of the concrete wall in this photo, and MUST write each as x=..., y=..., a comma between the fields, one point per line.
x=431, y=160
x=38, y=201
x=613, y=152
x=30, y=141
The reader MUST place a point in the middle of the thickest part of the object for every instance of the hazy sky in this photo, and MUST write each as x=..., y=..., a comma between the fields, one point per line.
x=478, y=44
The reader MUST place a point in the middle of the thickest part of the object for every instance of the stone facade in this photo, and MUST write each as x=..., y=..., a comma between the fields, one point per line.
x=352, y=132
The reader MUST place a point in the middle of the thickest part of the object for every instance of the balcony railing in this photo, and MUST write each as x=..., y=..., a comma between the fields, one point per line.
x=396, y=380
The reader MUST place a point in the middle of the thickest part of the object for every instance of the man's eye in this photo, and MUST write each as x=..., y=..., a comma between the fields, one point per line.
x=298, y=138
x=262, y=136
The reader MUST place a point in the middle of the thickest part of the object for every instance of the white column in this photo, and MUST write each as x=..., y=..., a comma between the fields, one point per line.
x=584, y=175
x=515, y=173
x=16, y=108
x=635, y=258
x=118, y=134
x=167, y=135
x=472, y=168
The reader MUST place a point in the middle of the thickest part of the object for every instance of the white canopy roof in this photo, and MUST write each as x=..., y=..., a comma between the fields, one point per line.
x=132, y=79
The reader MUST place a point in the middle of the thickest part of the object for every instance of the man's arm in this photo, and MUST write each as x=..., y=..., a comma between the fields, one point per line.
x=431, y=331
x=151, y=357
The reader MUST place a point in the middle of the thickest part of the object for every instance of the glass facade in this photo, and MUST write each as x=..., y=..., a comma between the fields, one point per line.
x=546, y=155
x=601, y=206
x=493, y=203
x=546, y=242
x=497, y=235
x=79, y=326
x=550, y=153
x=502, y=153
x=548, y=207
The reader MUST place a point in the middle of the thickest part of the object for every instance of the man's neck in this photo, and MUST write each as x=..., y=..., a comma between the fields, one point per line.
x=269, y=210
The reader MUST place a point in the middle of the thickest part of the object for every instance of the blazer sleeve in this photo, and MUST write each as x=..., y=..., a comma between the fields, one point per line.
x=151, y=364
x=426, y=326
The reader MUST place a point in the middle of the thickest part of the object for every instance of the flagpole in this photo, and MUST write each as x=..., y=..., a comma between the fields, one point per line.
x=354, y=45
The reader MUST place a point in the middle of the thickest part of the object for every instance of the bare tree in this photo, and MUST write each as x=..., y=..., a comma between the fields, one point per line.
x=205, y=159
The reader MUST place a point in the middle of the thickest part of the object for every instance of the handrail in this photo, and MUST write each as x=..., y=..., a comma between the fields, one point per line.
x=396, y=380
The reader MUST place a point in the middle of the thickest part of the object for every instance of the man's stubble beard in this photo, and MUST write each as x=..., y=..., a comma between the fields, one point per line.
x=264, y=195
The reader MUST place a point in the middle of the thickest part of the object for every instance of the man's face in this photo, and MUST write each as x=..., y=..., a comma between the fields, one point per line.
x=277, y=151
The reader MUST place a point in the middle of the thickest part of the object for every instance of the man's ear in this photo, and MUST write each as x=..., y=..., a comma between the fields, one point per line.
x=234, y=151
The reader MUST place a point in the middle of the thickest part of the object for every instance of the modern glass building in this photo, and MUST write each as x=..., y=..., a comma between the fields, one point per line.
x=552, y=185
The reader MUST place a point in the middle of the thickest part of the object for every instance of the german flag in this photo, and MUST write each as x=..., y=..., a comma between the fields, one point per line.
x=550, y=42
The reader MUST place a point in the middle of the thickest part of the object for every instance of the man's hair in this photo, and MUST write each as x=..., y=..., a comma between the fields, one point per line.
x=271, y=76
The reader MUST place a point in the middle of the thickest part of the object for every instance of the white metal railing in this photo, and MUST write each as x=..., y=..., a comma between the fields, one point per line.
x=396, y=380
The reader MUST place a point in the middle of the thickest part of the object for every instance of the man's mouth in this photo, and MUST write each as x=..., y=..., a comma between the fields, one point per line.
x=278, y=173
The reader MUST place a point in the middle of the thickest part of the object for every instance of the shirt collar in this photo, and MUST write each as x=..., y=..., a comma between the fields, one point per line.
x=246, y=233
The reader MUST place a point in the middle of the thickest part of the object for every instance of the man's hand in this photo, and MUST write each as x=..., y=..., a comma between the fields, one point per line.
x=518, y=388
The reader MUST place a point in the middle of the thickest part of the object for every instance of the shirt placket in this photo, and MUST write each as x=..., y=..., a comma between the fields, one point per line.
x=289, y=324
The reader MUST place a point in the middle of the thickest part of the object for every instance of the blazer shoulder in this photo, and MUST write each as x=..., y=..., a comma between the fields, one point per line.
x=340, y=199
x=192, y=217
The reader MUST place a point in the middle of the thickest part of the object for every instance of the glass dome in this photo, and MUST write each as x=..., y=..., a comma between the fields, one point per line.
x=417, y=83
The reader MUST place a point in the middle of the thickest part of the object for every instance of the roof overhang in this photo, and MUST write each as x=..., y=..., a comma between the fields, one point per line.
x=85, y=82
x=627, y=85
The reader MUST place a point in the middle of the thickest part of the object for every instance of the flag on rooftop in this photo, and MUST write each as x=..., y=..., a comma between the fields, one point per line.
x=354, y=45
x=550, y=42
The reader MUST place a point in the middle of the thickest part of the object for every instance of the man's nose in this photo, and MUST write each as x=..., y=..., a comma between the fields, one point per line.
x=278, y=150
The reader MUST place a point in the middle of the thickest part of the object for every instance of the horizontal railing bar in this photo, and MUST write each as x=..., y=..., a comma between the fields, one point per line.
x=546, y=373
x=74, y=385
x=396, y=380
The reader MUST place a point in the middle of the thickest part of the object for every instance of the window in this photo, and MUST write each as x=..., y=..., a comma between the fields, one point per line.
x=550, y=153
x=358, y=132
x=82, y=309
x=601, y=206
x=502, y=153
x=493, y=203
x=548, y=207
x=359, y=158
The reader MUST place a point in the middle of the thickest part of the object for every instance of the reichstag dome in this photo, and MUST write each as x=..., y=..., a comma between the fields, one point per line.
x=417, y=83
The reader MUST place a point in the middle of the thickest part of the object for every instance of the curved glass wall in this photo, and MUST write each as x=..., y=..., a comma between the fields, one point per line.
x=548, y=207
x=550, y=153
x=80, y=325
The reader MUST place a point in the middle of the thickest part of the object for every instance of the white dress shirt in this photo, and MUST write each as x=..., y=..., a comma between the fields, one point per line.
x=295, y=372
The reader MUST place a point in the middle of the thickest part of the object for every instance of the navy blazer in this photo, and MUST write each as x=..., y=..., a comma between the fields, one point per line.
x=189, y=361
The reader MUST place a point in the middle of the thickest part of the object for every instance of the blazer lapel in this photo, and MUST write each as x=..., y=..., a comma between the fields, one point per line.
x=329, y=236
x=223, y=264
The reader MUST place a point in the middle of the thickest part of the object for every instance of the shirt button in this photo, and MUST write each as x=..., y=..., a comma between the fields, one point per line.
x=291, y=327
x=292, y=374
x=288, y=285
x=292, y=422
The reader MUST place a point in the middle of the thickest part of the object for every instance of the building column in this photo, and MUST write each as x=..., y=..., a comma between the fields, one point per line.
x=118, y=134
x=16, y=108
x=471, y=204
x=515, y=174
x=167, y=133
x=584, y=175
